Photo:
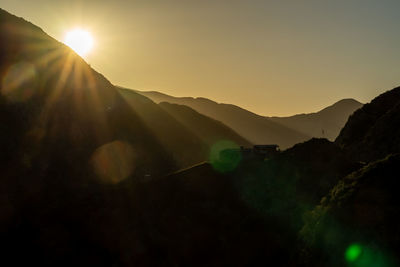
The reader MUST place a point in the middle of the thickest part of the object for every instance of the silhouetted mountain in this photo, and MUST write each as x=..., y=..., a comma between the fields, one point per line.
x=326, y=123
x=373, y=131
x=67, y=139
x=284, y=131
x=63, y=106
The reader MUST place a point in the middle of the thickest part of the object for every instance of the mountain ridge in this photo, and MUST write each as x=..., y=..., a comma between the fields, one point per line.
x=284, y=131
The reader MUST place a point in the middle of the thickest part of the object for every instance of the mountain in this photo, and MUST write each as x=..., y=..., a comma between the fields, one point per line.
x=69, y=141
x=284, y=131
x=373, y=131
x=325, y=123
x=52, y=101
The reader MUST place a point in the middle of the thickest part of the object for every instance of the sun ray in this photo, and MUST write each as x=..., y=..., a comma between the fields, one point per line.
x=67, y=64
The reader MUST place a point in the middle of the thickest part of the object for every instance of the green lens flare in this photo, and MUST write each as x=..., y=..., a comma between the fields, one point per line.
x=353, y=252
x=225, y=156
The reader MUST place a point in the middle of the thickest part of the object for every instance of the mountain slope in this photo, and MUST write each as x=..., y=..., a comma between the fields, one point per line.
x=359, y=213
x=373, y=131
x=209, y=130
x=72, y=150
x=284, y=131
x=64, y=106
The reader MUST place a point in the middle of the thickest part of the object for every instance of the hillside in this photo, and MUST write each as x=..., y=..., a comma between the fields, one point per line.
x=53, y=102
x=355, y=223
x=209, y=130
x=284, y=131
x=373, y=131
x=360, y=213
x=251, y=214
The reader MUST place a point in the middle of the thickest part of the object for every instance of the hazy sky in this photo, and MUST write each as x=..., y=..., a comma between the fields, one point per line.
x=271, y=57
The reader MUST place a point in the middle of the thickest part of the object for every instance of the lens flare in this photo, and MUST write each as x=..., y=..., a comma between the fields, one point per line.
x=353, y=252
x=114, y=162
x=225, y=156
x=19, y=82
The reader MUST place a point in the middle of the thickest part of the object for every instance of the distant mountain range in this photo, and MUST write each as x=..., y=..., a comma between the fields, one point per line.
x=284, y=131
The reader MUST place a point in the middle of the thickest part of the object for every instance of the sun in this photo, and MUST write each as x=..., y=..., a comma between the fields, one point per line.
x=81, y=41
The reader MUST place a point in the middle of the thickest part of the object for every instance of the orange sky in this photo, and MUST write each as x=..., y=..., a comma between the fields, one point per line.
x=271, y=57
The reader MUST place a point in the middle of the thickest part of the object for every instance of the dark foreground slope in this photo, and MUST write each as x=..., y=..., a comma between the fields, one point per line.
x=284, y=131
x=195, y=218
x=246, y=217
x=357, y=222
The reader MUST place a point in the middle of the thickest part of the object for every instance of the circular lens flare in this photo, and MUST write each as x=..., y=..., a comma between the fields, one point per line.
x=353, y=252
x=225, y=156
x=81, y=41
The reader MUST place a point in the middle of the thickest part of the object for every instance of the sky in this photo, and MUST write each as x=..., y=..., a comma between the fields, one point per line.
x=275, y=58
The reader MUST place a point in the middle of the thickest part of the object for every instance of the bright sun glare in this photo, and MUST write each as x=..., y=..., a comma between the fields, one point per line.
x=80, y=41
